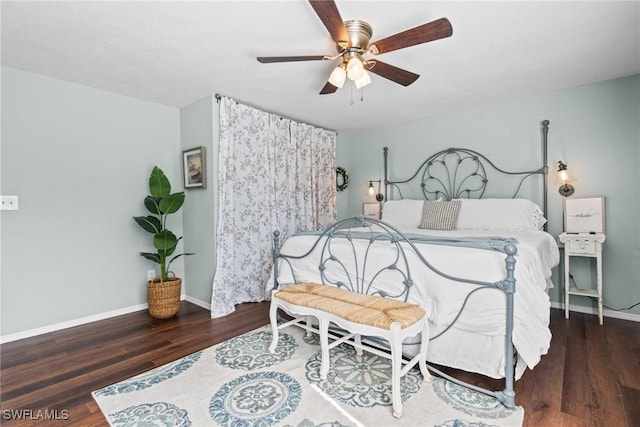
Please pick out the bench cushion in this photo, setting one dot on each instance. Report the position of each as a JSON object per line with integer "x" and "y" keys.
{"x": 355, "y": 307}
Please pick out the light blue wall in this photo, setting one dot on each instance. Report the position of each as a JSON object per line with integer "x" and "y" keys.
{"x": 594, "y": 128}
{"x": 79, "y": 160}
{"x": 342, "y": 159}
{"x": 200, "y": 209}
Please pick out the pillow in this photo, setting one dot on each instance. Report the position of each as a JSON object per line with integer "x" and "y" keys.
{"x": 500, "y": 214}
{"x": 440, "y": 215}
{"x": 402, "y": 214}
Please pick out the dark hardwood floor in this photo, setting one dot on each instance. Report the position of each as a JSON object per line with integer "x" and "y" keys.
{"x": 590, "y": 377}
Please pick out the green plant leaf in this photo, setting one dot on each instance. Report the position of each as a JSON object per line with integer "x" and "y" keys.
{"x": 168, "y": 252}
{"x": 151, "y": 256}
{"x": 165, "y": 240}
{"x": 172, "y": 203}
{"x": 159, "y": 185}
{"x": 152, "y": 204}
{"x": 149, "y": 223}
{"x": 179, "y": 255}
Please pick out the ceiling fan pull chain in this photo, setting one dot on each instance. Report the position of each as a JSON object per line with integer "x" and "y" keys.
{"x": 351, "y": 101}
{"x": 361, "y": 94}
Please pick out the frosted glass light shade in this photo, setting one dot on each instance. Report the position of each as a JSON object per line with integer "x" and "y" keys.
{"x": 363, "y": 80}
{"x": 355, "y": 69}
{"x": 338, "y": 76}
{"x": 564, "y": 176}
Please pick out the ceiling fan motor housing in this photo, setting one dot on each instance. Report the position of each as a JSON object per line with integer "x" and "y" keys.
{"x": 360, "y": 33}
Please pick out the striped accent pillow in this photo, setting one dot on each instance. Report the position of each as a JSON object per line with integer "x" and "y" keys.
{"x": 440, "y": 215}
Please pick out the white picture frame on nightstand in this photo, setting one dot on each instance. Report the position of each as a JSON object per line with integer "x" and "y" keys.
{"x": 371, "y": 210}
{"x": 584, "y": 214}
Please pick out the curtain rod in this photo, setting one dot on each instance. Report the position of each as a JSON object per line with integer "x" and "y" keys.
{"x": 219, "y": 97}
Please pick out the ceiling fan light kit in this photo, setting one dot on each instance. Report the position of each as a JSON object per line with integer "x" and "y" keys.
{"x": 352, "y": 42}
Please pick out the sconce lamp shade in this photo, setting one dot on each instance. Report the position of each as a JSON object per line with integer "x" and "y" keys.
{"x": 338, "y": 76}
{"x": 563, "y": 177}
{"x": 563, "y": 174}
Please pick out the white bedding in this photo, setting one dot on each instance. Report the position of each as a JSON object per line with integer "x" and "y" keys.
{"x": 476, "y": 341}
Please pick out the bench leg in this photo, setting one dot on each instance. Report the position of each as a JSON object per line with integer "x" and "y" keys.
{"x": 324, "y": 346}
{"x": 309, "y": 322}
{"x": 358, "y": 340}
{"x": 273, "y": 318}
{"x": 396, "y": 368}
{"x": 424, "y": 345}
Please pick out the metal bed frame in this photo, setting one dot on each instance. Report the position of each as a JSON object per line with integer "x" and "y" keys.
{"x": 447, "y": 183}
{"x": 456, "y": 173}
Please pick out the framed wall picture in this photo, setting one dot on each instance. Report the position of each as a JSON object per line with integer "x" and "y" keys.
{"x": 194, "y": 168}
{"x": 371, "y": 210}
{"x": 584, "y": 214}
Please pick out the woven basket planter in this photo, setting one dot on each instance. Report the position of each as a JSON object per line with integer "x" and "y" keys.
{"x": 164, "y": 298}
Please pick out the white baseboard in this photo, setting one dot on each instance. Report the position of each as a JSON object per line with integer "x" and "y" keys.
{"x": 71, "y": 323}
{"x": 198, "y": 302}
{"x": 83, "y": 320}
{"x": 592, "y": 310}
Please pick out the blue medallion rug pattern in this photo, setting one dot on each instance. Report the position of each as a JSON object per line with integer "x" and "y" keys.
{"x": 150, "y": 378}
{"x": 260, "y": 398}
{"x": 239, "y": 383}
{"x": 247, "y": 351}
{"x": 360, "y": 380}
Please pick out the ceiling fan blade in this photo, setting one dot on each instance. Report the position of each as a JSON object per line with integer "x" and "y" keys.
{"x": 395, "y": 74}
{"x": 328, "y": 13}
{"x": 328, "y": 88}
{"x": 270, "y": 59}
{"x": 424, "y": 33}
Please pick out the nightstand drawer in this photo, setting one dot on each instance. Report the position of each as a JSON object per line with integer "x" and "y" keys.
{"x": 582, "y": 247}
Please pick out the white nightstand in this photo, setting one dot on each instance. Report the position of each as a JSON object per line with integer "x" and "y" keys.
{"x": 584, "y": 245}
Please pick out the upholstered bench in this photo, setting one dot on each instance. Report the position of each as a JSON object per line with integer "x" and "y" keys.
{"x": 359, "y": 314}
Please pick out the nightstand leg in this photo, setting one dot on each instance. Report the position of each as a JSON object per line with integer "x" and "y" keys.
{"x": 599, "y": 281}
{"x": 566, "y": 284}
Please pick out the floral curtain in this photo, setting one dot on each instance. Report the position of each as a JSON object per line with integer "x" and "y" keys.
{"x": 274, "y": 174}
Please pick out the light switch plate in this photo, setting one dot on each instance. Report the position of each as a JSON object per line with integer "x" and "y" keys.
{"x": 9, "y": 203}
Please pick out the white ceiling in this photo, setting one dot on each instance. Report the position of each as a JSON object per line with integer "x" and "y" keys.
{"x": 175, "y": 53}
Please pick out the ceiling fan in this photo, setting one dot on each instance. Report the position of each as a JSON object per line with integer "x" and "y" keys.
{"x": 352, "y": 41}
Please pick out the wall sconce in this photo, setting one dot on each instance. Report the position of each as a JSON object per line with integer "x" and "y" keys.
{"x": 372, "y": 190}
{"x": 563, "y": 177}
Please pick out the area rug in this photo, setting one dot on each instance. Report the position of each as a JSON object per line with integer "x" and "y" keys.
{"x": 238, "y": 383}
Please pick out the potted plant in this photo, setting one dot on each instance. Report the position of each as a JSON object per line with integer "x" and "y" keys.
{"x": 163, "y": 292}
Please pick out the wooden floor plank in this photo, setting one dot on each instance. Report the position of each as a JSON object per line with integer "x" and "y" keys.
{"x": 576, "y": 395}
{"x": 631, "y": 403}
{"x": 588, "y": 378}
{"x": 624, "y": 342}
{"x": 547, "y": 382}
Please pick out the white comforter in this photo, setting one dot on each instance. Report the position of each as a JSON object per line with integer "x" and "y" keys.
{"x": 476, "y": 341}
